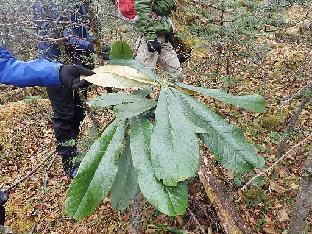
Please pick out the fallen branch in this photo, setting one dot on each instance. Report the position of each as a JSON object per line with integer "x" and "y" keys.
{"x": 294, "y": 119}
{"x": 287, "y": 99}
{"x": 202, "y": 230}
{"x": 219, "y": 196}
{"x": 46, "y": 178}
{"x": 21, "y": 180}
{"x": 303, "y": 203}
{"x": 289, "y": 152}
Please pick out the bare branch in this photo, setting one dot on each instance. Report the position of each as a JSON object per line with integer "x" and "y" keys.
{"x": 202, "y": 230}
{"x": 289, "y": 152}
{"x": 30, "y": 173}
{"x": 46, "y": 178}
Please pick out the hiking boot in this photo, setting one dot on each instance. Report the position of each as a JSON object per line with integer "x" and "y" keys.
{"x": 72, "y": 172}
{"x": 150, "y": 116}
{"x": 70, "y": 167}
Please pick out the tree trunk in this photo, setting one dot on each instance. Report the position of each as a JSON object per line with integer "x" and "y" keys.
{"x": 219, "y": 196}
{"x": 304, "y": 199}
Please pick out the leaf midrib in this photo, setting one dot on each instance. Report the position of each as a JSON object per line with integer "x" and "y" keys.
{"x": 171, "y": 131}
{"x": 215, "y": 129}
{"x": 150, "y": 163}
{"x": 127, "y": 177}
{"x": 83, "y": 198}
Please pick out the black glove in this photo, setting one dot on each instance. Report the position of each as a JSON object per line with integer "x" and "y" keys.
{"x": 70, "y": 76}
{"x": 154, "y": 46}
{"x": 169, "y": 37}
{"x": 106, "y": 51}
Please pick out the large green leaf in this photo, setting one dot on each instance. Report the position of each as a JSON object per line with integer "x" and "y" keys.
{"x": 121, "y": 54}
{"x": 121, "y": 50}
{"x": 253, "y": 102}
{"x": 119, "y": 76}
{"x": 96, "y": 173}
{"x": 169, "y": 200}
{"x": 128, "y": 110}
{"x": 126, "y": 182}
{"x": 137, "y": 65}
{"x": 224, "y": 140}
{"x": 174, "y": 147}
{"x": 126, "y": 71}
{"x": 112, "y": 99}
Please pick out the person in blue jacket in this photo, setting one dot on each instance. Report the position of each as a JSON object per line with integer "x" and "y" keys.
{"x": 70, "y": 28}
{"x": 40, "y": 72}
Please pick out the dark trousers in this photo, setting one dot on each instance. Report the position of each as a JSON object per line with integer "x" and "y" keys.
{"x": 68, "y": 112}
{"x": 2, "y": 215}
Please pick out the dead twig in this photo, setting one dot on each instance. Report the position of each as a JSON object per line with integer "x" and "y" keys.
{"x": 287, "y": 99}
{"x": 21, "y": 180}
{"x": 46, "y": 178}
{"x": 33, "y": 229}
{"x": 202, "y": 230}
{"x": 293, "y": 120}
{"x": 289, "y": 152}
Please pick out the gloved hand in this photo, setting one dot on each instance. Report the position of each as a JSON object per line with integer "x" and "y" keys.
{"x": 169, "y": 37}
{"x": 70, "y": 76}
{"x": 106, "y": 51}
{"x": 153, "y": 46}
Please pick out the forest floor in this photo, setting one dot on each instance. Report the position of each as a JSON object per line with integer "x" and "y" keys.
{"x": 36, "y": 206}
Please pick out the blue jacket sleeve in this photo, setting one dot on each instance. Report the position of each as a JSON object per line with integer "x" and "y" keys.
{"x": 38, "y": 72}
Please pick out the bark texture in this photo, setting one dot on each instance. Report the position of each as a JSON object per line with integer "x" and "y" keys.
{"x": 219, "y": 196}
{"x": 304, "y": 199}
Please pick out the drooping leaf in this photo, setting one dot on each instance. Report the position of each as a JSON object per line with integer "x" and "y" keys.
{"x": 224, "y": 140}
{"x": 121, "y": 50}
{"x": 137, "y": 65}
{"x": 174, "y": 147}
{"x": 171, "y": 201}
{"x": 253, "y": 102}
{"x": 128, "y": 110}
{"x": 118, "y": 76}
{"x": 126, "y": 182}
{"x": 96, "y": 173}
{"x": 112, "y": 99}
